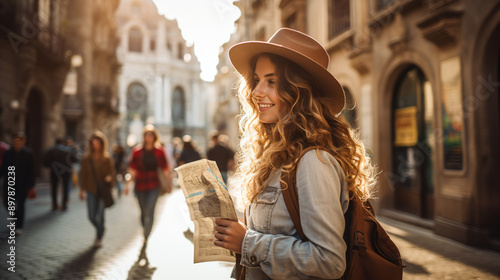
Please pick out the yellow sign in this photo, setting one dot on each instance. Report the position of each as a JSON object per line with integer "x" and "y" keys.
{"x": 405, "y": 127}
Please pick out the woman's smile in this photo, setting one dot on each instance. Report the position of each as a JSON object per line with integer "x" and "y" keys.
{"x": 264, "y": 106}
{"x": 265, "y": 92}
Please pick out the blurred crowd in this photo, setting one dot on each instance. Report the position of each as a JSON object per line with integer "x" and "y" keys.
{"x": 104, "y": 174}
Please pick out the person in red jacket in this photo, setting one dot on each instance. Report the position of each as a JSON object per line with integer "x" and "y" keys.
{"x": 147, "y": 163}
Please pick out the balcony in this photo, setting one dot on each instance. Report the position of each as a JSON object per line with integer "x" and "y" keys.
{"x": 101, "y": 95}
{"x": 441, "y": 27}
{"x": 72, "y": 107}
{"x": 23, "y": 26}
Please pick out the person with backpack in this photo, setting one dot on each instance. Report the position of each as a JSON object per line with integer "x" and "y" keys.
{"x": 291, "y": 102}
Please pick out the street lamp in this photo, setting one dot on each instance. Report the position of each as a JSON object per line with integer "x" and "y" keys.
{"x": 76, "y": 61}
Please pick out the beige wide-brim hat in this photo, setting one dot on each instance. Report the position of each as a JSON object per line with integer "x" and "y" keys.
{"x": 299, "y": 48}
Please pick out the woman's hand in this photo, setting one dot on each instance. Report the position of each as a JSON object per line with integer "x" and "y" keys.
{"x": 230, "y": 234}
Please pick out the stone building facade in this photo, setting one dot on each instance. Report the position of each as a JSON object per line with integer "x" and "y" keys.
{"x": 422, "y": 82}
{"x": 160, "y": 78}
{"x": 39, "y": 39}
{"x": 92, "y": 39}
{"x": 224, "y": 105}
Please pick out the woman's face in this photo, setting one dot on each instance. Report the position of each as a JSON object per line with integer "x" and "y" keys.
{"x": 149, "y": 138}
{"x": 265, "y": 93}
{"x": 96, "y": 145}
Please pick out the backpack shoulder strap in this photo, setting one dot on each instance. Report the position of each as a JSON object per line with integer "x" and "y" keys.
{"x": 291, "y": 198}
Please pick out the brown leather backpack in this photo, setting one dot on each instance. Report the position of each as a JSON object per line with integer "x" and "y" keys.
{"x": 370, "y": 254}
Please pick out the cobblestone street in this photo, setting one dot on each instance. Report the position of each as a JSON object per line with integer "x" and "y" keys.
{"x": 58, "y": 245}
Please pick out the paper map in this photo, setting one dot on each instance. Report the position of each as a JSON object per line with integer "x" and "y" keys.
{"x": 207, "y": 198}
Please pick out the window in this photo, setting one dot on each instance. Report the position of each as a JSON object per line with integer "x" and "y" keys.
{"x": 152, "y": 45}
{"x": 137, "y": 97}
{"x": 291, "y": 21}
{"x": 178, "y": 107}
{"x": 261, "y": 35}
{"x": 339, "y": 19}
{"x": 180, "y": 51}
{"x": 135, "y": 40}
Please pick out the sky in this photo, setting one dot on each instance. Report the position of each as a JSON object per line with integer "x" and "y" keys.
{"x": 206, "y": 23}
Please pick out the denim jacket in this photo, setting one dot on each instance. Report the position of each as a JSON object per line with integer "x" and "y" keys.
{"x": 272, "y": 248}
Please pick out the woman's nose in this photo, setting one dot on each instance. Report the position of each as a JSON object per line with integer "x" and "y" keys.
{"x": 257, "y": 91}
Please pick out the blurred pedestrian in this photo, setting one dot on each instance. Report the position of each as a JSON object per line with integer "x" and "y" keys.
{"x": 189, "y": 152}
{"x": 171, "y": 162}
{"x": 147, "y": 164}
{"x": 18, "y": 172}
{"x": 176, "y": 149}
{"x": 118, "y": 156}
{"x": 73, "y": 155}
{"x": 97, "y": 170}
{"x": 58, "y": 160}
{"x": 221, "y": 154}
{"x": 3, "y": 148}
{"x": 291, "y": 103}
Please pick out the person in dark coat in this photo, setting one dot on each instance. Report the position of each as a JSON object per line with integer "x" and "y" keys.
{"x": 189, "y": 152}
{"x": 59, "y": 160}
{"x": 18, "y": 172}
{"x": 3, "y": 148}
{"x": 222, "y": 155}
{"x": 118, "y": 157}
{"x": 73, "y": 157}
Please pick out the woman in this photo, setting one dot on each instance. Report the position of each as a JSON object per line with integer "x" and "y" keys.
{"x": 147, "y": 160}
{"x": 291, "y": 102}
{"x": 97, "y": 166}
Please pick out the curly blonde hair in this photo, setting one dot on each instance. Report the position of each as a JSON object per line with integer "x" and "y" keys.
{"x": 309, "y": 121}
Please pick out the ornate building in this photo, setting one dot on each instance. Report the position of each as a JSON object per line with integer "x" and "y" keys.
{"x": 160, "y": 77}
{"x": 422, "y": 80}
{"x": 41, "y": 91}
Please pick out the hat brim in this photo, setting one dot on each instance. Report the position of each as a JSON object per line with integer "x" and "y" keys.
{"x": 241, "y": 54}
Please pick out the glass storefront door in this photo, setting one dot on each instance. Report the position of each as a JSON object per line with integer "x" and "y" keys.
{"x": 413, "y": 145}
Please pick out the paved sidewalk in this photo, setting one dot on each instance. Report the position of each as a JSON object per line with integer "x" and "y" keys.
{"x": 428, "y": 256}
{"x": 58, "y": 245}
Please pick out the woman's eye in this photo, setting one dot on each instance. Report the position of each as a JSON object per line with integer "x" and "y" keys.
{"x": 271, "y": 82}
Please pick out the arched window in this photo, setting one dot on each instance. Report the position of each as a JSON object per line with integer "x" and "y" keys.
{"x": 137, "y": 97}
{"x": 135, "y": 40}
{"x": 178, "y": 107}
{"x": 180, "y": 50}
